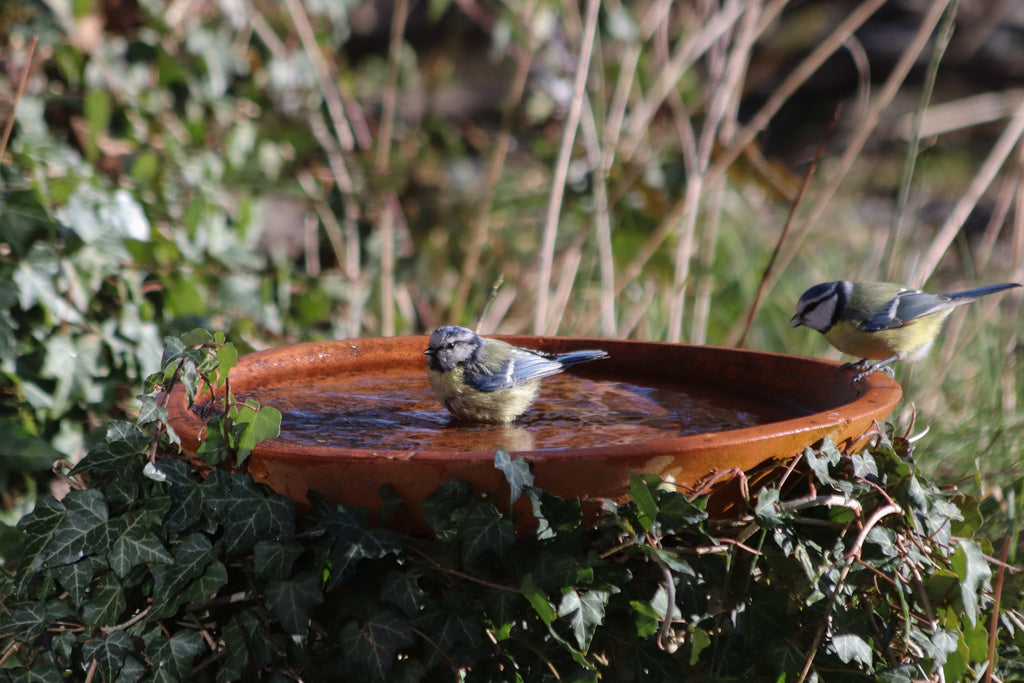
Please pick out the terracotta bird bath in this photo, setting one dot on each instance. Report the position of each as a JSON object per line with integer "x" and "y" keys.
{"x": 359, "y": 414}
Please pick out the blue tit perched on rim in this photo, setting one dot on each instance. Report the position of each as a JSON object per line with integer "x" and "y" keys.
{"x": 488, "y": 380}
{"x": 878, "y": 320}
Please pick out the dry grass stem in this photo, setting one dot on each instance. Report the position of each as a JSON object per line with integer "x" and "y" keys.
{"x": 979, "y": 183}
{"x": 479, "y": 230}
{"x": 712, "y": 28}
{"x": 810, "y": 64}
{"x": 547, "y": 250}
{"x": 389, "y": 205}
{"x": 966, "y": 112}
{"x": 890, "y": 256}
{"x": 323, "y": 72}
{"x": 602, "y": 215}
{"x": 855, "y": 144}
{"x": 26, "y": 69}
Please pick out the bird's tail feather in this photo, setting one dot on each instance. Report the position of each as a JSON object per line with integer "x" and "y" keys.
{"x": 971, "y": 294}
{"x": 574, "y": 357}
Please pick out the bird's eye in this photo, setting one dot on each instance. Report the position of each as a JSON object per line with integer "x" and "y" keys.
{"x": 450, "y": 345}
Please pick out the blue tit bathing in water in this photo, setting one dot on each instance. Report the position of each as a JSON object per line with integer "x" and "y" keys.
{"x": 880, "y": 321}
{"x": 487, "y": 380}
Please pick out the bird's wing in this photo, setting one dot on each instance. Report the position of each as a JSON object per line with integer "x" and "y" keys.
{"x": 518, "y": 367}
{"x": 906, "y": 306}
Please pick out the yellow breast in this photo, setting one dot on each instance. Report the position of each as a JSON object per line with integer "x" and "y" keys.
{"x": 909, "y": 342}
{"x": 467, "y": 403}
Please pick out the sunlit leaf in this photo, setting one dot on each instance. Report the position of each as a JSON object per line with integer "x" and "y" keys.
{"x": 585, "y": 612}
{"x": 544, "y": 609}
{"x": 974, "y": 573}
{"x": 517, "y": 473}
{"x": 260, "y": 424}
{"x": 647, "y": 509}
{"x": 850, "y": 647}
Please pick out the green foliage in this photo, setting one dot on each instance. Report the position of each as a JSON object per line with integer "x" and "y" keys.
{"x": 855, "y": 567}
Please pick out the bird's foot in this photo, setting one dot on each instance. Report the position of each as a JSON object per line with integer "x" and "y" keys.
{"x": 871, "y": 369}
{"x": 864, "y": 367}
{"x": 859, "y": 366}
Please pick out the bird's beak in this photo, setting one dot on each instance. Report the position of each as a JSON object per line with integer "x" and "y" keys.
{"x": 795, "y": 321}
{"x": 430, "y": 352}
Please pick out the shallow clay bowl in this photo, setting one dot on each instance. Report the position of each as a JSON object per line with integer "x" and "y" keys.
{"x": 359, "y": 414}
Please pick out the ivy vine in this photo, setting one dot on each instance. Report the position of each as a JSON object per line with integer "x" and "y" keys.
{"x": 847, "y": 566}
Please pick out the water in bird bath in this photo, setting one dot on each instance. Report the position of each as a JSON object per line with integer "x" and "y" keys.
{"x": 396, "y": 411}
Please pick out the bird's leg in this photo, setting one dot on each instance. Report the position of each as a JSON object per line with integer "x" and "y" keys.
{"x": 882, "y": 365}
{"x": 857, "y": 365}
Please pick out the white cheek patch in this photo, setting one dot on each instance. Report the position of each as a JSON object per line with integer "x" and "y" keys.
{"x": 820, "y": 317}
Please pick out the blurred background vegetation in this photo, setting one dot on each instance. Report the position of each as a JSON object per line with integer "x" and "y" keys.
{"x": 316, "y": 169}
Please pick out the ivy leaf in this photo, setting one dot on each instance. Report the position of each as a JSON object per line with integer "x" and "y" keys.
{"x": 173, "y": 656}
{"x": 647, "y": 509}
{"x": 354, "y": 542}
{"x": 700, "y": 642}
{"x": 292, "y": 600}
{"x": 191, "y": 558}
{"x": 150, "y": 410}
{"x": 120, "y": 452}
{"x": 261, "y": 423}
{"x": 864, "y": 467}
{"x": 83, "y": 527}
{"x": 206, "y": 586}
{"x": 766, "y": 512}
{"x": 26, "y": 621}
{"x": 822, "y": 460}
{"x": 76, "y": 577}
{"x": 676, "y": 512}
{"x": 944, "y": 643}
{"x": 136, "y": 545}
{"x": 885, "y": 539}
{"x": 584, "y": 611}
{"x": 971, "y": 567}
{"x": 376, "y": 642}
{"x": 272, "y": 517}
{"x": 227, "y": 358}
{"x": 106, "y": 603}
{"x": 485, "y": 529}
{"x": 274, "y": 560}
{"x": 402, "y": 590}
{"x": 215, "y": 449}
{"x": 186, "y": 501}
{"x": 197, "y": 336}
{"x": 39, "y": 527}
{"x": 850, "y": 647}
{"x": 538, "y": 600}
{"x": 452, "y": 627}
{"x": 554, "y": 514}
{"x": 110, "y": 652}
{"x": 442, "y": 509}
{"x": 517, "y": 473}
{"x": 247, "y": 643}
{"x": 246, "y": 513}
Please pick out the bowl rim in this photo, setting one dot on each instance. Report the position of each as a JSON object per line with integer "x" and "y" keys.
{"x": 875, "y": 397}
